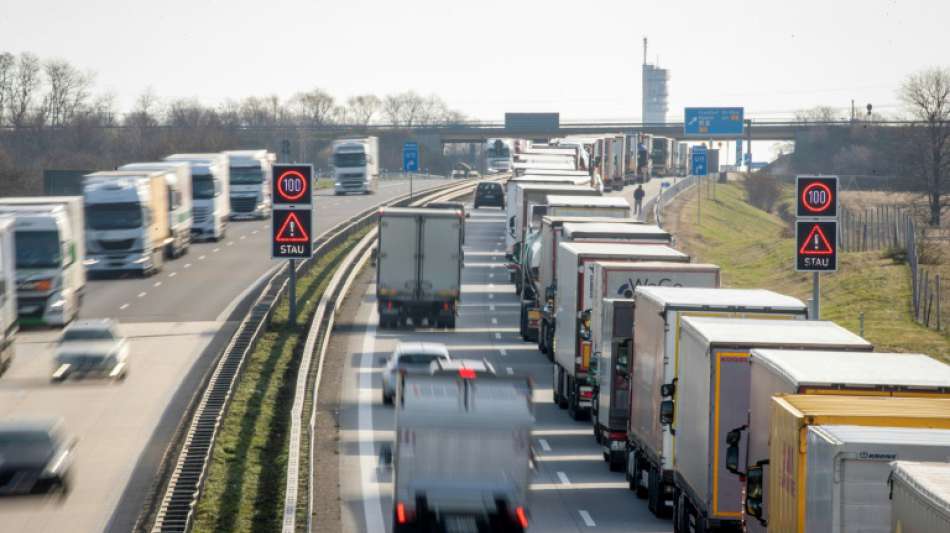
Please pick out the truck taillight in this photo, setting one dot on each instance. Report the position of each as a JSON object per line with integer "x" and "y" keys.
{"x": 521, "y": 516}
{"x": 389, "y": 305}
{"x": 400, "y": 513}
{"x": 467, "y": 373}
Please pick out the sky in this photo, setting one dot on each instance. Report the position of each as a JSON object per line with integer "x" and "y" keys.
{"x": 484, "y": 58}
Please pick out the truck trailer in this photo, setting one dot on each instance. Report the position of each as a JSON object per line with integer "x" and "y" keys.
{"x": 8, "y": 301}
{"x": 356, "y": 165}
{"x": 920, "y": 494}
{"x": 210, "y": 193}
{"x": 712, "y": 399}
{"x": 572, "y": 352}
{"x": 419, "y": 266}
{"x": 178, "y": 180}
{"x": 778, "y": 372}
{"x": 127, "y": 220}
{"x": 250, "y": 174}
{"x": 49, "y": 233}
{"x": 525, "y": 196}
{"x": 462, "y": 453}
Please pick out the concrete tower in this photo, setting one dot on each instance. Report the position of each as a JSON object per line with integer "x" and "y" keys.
{"x": 655, "y": 93}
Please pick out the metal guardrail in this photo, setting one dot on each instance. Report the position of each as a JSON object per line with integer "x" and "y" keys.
{"x": 176, "y": 511}
{"x": 656, "y": 203}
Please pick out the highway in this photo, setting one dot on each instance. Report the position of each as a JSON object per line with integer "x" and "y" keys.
{"x": 572, "y": 489}
{"x": 176, "y": 321}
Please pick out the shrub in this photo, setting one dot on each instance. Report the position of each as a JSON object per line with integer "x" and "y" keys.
{"x": 762, "y": 191}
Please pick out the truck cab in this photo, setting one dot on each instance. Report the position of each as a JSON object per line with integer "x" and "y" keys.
{"x": 8, "y": 301}
{"x": 251, "y": 173}
{"x": 356, "y": 165}
{"x": 178, "y": 180}
{"x": 210, "y": 186}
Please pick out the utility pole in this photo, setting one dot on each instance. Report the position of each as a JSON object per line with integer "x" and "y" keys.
{"x": 748, "y": 146}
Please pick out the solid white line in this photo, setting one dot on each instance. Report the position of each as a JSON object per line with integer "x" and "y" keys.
{"x": 544, "y": 445}
{"x": 585, "y": 516}
{"x": 157, "y": 284}
{"x": 142, "y": 294}
{"x": 123, "y": 307}
{"x": 172, "y": 274}
{"x": 509, "y": 370}
{"x": 372, "y": 504}
{"x": 563, "y": 478}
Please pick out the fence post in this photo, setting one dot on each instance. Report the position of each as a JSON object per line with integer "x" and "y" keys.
{"x": 861, "y": 322}
{"x": 937, "y": 282}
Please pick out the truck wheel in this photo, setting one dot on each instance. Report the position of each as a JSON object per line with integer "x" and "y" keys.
{"x": 638, "y": 468}
{"x": 653, "y": 491}
{"x": 615, "y": 463}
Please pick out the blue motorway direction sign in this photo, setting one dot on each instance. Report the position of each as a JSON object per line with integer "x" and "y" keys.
{"x": 410, "y": 157}
{"x": 709, "y": 122}
{"x": 697, "y": 160}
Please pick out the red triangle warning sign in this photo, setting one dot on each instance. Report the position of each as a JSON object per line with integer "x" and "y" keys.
{"x": 291, "y": 230}
{"x": 816, "y": 243}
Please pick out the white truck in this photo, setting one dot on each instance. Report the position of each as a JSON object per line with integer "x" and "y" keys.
{"x": 498, "y": 156}
{"x": 462, "y": 457}
{"x": 617, "y": 282}
{"x": 356, "y": 165}
{"x": 178, "y": 180}
{"x": 712, "y": 399}
{"x": 210, "y": 193}
{"x": 8, "y": 301}
{"x": 572, "y": 351}
{"x": 778, "y": 372}
{"x": 127, "y": 221}
{"x": 418, "y": 266}
{"x": 49, "y": 234}
{"x": 251, "y": 173}
{"x": 655, "y": 370}
{"x": 525, "y": 196}
{"x": 920, "y": 497}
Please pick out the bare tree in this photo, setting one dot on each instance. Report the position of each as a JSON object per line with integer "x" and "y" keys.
{"x": 7, "y": 72}
{"x": 67, "y": 92}
{"x": 313, "y": 108}
{"x": 393, "y": 108}
{"x": 926, "y": 96}
{"x": 817, "y": 114}
{"x": 363, "y": 108}
{"x": 26, "y": 83}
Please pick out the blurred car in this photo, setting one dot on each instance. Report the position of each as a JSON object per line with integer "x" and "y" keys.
{"x": 410, "y": 358}
{"x": 35, "y": 457}
{"x": 467, "y": 368}
{"x": 489, "y": 194}
{"x": 91, "y": 348}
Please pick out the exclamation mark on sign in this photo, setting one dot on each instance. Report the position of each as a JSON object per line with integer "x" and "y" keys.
{"x": 816, "y": 239}
{"x": 294, "y": 233}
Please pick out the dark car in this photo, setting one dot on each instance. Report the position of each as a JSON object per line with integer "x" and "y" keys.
{"x": 35, "y": 457}
{"x": 489, "y": 194}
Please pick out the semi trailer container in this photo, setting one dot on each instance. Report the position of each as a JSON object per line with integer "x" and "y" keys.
{"x": 250, "y": 173}
{"x": 8, "y": 298}
{"x": 526, "y": 195}
{"x": 210, "y": 193}
{"x": 920, "y": 495}
{"x": 178, "y": 180}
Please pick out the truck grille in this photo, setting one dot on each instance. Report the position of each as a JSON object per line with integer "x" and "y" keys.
{"x": 351, "y": 181}
{"x": 200, "y": 214}
{"x": 38, "y": 304}
{"x": 245, "y": 204}
{"x": 123, "y": 244}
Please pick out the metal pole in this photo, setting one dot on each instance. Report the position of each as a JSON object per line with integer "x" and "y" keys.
{"x": 816, "y": 296}
{"x": 410, "y": 187}
{"x": 291, "y": 264}
{"x": 699, "y": 200}
{"x": 748, "y": 146}
{"x": 861, "y": 321}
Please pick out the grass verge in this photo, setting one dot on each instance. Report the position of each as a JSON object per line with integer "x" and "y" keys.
{"x": 753, "y": 250}
{"x": 246, "y": 478}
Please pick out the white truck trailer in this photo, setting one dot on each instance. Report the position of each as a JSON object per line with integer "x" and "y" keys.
{"x": 419, "y": 266}
{"x": 210, "y": 193}
{"x": 127, "y": 220}
{"x": 618, "y": 281}
{"x": 920, "y": 497}
{"x": 250, "y": 173}
{"x": 8, "y": 301}
{"x": 49, "y": 234}
{"x": 527, "y": 195}
{"x": 655, "y": 369}
{"x": 572, "y": 352}
{"x": 778, "y": 372}
{"x": 178, "y": 180}
{"x": 712, "y": 399}
{"x": 462, "y": 453}
{"x": 356, "y": 165}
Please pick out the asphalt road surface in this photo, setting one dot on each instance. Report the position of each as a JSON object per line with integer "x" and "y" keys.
{"x": 572, "y": 489}
{"x": 175, "y": 320}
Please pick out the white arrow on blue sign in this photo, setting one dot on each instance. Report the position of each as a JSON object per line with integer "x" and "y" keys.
{"x": 410, "y": 157}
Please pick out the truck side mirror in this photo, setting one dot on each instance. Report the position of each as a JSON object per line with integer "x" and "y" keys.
{"x": 732, "y": 452}
{"x": 753, "y": 499}
{"x": 666, "y": 412}
{"x": 668, "y": 390}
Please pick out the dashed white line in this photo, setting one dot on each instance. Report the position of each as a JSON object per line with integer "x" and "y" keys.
{"x": 563, "y": 478}
{"x": 187, "y": 265}
{"x": 504, "y": 352}
{"x": 123, "y": 307}
{"x": 202, "y": 258}
{"x": 230, "y": 243}
{"x": 142, "y": 294}
{"x": 544, "y": 445}
{"x": 254, "y": 232}
{"x": 491, "y": 296}
{"x": 172, "y": 274}
{"x": 157, "y": 284}
{"x": 494, "y": 321}
{"x": 216, "y": 250}
{"x": 491, "y": 275}
{"x": 244, "y": 237}
{"x": 498, "y": 336}
{"x": 585, "y": 516}
{"x": 491, "y": 307}
{"x": 509, "y": 370}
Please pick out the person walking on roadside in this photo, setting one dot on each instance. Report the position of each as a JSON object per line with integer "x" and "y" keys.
{"x": 638, "y": 195}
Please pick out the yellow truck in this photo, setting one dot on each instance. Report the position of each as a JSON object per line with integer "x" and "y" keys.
{"x": 790, "y": 462}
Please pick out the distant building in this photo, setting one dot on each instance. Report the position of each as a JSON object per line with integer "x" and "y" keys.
{"x": 655, "y": 92}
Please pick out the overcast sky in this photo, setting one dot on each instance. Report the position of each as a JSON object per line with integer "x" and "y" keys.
{"x": 485, "y": 57}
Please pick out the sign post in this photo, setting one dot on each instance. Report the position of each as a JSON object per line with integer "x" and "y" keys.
{"x": 816, "y": 230}
{"x": 410, "y": 162}
{"x": 699, "y": 167}
{"x": 292, "y": 221}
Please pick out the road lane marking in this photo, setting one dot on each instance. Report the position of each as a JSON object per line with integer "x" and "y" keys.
{"x": 230, "y": 243}
{"x": 494, "y": 321}
{"x": 157, "y": 284}
{"x": 491, "y": 307}
{"x": 491, "y": 275}
{"x": 187, "y": 265}
{"x": 202, "y": 258}
{"x": 216, "y": 250}
{"x": 172, "y": 274}
{"x": 491, "y": 296}
{"x": 123, "y": 307}
{"x": 504, "y": 352}
{"x": 562, "y": 477}
{"x": 509, "y": 370}
{"x": 142, "y": 294}
{"x": 372, "y": 503}
{"x": 544, "y": 445}
{"x": 243, "y": 237}
{"x": 254, "y": 232}
{"x": 585, "y": 516}
{"x": 498, "y": 336}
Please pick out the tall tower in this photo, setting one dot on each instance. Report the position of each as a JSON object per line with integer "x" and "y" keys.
{"x": 655, "y": 93}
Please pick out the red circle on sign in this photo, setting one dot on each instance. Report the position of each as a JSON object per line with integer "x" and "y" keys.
{"x": 286, "y": 195}
{"x": 821, "y": 207}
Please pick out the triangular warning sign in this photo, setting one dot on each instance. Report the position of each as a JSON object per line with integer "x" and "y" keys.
{"x": 816, "y": 243}
{"x": 292, "y": 230}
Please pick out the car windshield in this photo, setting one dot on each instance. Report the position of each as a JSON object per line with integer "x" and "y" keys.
{"x": 87, "y": 334}
{"x": 202, "y": 187}
{"x": 246, "y": 175}
{"x": 37, "y": 249}
{"x": 349, "y": 160}
{"x": 120, "y": 215}
{"x": 417, "y": 358}
{"x": 24, "y": 446}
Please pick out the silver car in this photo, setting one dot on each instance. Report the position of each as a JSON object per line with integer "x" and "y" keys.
{"x": 91, "y": 348}
{"x": 410, "y": 358}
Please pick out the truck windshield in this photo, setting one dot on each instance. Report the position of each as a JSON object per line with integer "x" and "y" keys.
{"x": 349, "y": 160}
{"x": 37, "y": 249}
{"x": 202, "y": 187}
{"x": 246, "y": 175}
{"x": 121, "y": 215}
